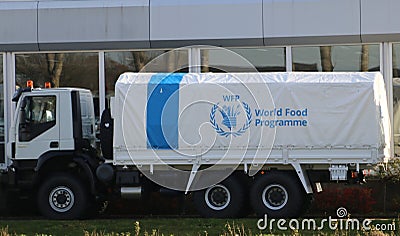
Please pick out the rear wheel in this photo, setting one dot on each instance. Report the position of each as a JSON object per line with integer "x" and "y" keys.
{"x": 277, "y": 194}
{"x": 62, "y": 196}
{"x": 222, "y": 200}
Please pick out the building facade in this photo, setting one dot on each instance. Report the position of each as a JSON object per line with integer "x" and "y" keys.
{"x": 88, "y": 43}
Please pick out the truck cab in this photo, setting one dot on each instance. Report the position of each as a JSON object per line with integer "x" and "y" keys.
{"x": 49, "y": 120}
{"x": 52, "y": 148}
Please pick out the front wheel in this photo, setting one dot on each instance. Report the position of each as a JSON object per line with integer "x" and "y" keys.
{"x": 62, "y": 196}
{"x": 277, "y": 194}
{"x": 222, "y": 200}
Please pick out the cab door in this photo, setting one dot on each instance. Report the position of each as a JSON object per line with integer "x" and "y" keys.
{"x": 38, "y": 127}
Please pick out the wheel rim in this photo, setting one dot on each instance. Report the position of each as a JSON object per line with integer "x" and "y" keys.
{"x": 61, "y": 199}
{"x": 275, "y": 196}
{"x": 217, "y": 197}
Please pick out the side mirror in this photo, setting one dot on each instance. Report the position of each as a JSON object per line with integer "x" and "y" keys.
{"x": 22, "y": 114}
{"x": 19, "y": 92}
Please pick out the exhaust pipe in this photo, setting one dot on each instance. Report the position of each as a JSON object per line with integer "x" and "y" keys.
{"x": 131, "y": 192}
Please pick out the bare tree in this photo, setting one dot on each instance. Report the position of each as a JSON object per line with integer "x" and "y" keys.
{"x": 182, "y": 61}
{"x": 364, "y": 62}
{"x": 205, "y": 63}
{"x": 171, "y": 62}
{"x": 139, "y": 60}
{"x": 326, "y": 58}
{"x": 55, "y": 62}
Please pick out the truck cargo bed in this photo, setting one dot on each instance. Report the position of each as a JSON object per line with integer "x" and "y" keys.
{"x": 250, "y": 118}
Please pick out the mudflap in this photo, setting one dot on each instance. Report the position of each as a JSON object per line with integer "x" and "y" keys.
{"x": 9, "y": 194}
{"x": 3, "y": 192}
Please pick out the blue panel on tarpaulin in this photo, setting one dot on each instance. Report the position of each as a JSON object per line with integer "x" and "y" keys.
{"x": 163, "y": 111}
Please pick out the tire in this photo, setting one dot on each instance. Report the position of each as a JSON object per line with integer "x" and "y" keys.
{"x": 62, "y": 196}
{"x": 277, "y": 194}
{"x": 223, "y": 200}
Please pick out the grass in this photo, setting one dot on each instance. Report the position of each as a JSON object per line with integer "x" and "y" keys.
{"x": 175, "y": 226}
{"x": 160, "y": 226}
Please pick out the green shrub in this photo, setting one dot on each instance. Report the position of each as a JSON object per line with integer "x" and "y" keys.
{"x": 388, "y": 171}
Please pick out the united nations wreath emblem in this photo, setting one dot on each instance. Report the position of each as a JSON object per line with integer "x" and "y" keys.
{"x": 230, "y": 114}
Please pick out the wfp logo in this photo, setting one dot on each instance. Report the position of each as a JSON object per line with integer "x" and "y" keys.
{"x": 230, "y": 113}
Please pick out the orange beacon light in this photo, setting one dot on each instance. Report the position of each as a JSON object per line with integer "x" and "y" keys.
{"x": 29, "y": 84}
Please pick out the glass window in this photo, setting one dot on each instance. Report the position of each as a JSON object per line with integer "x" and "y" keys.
{"x": 40, "y": 110}
{"x": 351, "y": 58}
{"x": 396, "y": 97}
{"x": 38, "y": 116}
{"x": 2, "y": 153}
{"x": 243, "y": 60}
{"x": 396, "y": 60}
{"x": 61, "y": 70}
{"x": 117, "y": 63}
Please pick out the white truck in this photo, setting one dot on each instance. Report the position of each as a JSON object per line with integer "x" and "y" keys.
{"x": 235, "y": 141}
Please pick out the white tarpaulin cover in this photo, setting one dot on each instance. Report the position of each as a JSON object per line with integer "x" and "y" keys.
{"x": 249, "y": 111}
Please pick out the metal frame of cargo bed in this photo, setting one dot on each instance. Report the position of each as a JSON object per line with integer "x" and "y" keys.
{"x": 345, "y": 155}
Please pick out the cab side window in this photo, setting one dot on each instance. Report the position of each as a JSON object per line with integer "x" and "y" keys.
{"x": 37, "y": 116}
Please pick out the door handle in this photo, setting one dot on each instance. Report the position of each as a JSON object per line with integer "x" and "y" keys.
{"x": 54, "y": 145}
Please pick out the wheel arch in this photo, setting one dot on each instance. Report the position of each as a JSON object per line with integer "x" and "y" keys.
{"x": 297, "y": 171}
{"x": 65, "y": 161}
